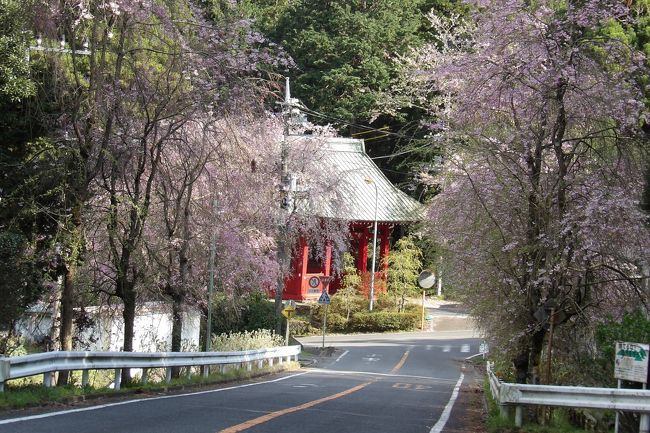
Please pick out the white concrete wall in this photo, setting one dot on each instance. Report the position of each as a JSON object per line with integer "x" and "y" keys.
{"x": 153, "y": 326}
{"x": 34, "y": 326}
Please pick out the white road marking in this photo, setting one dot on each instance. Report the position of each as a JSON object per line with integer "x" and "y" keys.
{"x": 341, "y": 356}
{"x": 121, "y": 403}
{"x": 444, "y": 417}
{"x": 473, "y": 356}
{"x": 372, "y": 358}
{"x": 429, "y": 347}
{"x": 464, "y": 348}
{"x": 367, "y": 373}
{"x": 305, "y": 385}
{"x": 446, "y": 348}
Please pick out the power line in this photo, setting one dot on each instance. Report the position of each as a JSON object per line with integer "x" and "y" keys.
{"x": 348, "y": 123}
{"x": 366, "y": 128}
{"x": 404, "y": 152}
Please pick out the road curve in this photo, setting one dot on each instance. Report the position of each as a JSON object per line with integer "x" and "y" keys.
{"x": 384, "y": 383}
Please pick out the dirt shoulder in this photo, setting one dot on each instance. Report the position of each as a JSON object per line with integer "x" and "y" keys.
{"x": 470, "y": 410}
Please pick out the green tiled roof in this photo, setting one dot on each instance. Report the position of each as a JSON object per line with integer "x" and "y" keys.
{"x": 348, "y": 163}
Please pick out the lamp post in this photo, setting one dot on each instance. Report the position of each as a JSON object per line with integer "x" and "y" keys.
{"x": 374, "y": 247}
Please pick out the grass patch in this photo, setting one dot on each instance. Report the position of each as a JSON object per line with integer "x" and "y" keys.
{"x": 29, "y": 395}
{"x": 37, "y": 395}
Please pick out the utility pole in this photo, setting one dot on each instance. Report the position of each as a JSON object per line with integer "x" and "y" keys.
{"x": 213, "y": 253}
{"x": 64, "y": 304}
{"x": 284, "y": 206}
{"x": 374, "y": 256}
{"x": 374, "y": 247}
{"x": 439, "y": 292}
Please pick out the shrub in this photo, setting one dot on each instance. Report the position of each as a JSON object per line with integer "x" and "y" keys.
{"x": 12, "y": 346}
{"x": 336, "y": 322}
{"x": 341, "y": 304}
{"x": 414, "y": 309}
{"x": 246, "y": 340}
{"x": 382, "y": 321}
{"x": 248, "y": 312}
{"x": 259, "y": 312}
{"x": 316, "y": 315}
{"x": 386, "y": 302}
{"x": 300, "y": 327}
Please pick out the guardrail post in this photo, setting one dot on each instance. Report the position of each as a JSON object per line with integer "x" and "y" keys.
{"x": 206, "y": 371}
{"x": 644, "y": 423}
{"x": 249, "y": 366}
{"x": 222, "y": 368}
{"x": 4, "y": 373}
{"x": 47, "y": 379}
{"x": 519, "y": 416}
{"x": 118, "y": 378}
{"x": 504, "y": 411}
{"x": 144, "y": 379}
{"x": 85, "y": 378}
{"x": 260, "y": 364}
{"x": 270, "y": 362}
{"x": 168, "y": 375}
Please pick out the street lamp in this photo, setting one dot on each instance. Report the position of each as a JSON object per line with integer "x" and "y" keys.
{"x": 374, "y": 246}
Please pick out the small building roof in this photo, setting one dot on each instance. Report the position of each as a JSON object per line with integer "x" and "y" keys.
{"x": 348, "y": 162}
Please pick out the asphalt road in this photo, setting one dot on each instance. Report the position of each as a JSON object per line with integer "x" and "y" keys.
{"x": 378, "y": 383}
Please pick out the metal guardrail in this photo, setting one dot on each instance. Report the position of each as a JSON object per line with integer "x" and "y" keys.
{"x": 50, "y": 362}
{"x": 517, "y": 395}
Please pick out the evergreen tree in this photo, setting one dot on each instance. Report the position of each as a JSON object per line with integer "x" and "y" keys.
{"x": 349, "y": 290}
{"x": 404, "y": 264}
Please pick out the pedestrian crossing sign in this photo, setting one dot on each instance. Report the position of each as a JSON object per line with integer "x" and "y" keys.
{"x": 324, "y": 298}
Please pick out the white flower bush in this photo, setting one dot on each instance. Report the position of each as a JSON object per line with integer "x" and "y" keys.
{"x": 247, "y": 340}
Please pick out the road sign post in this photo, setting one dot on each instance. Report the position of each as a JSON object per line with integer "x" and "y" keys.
{"x": 325, "y": 300}
{"x": 288, "y": 313}
{"x": 426, "y": 279}
{"x": 422, "y": 315}
{"x": 286, "y": 334}
{"x": 631, "y": 363}
{"x": 327, "y": 306}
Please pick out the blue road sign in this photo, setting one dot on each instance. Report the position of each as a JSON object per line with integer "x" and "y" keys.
{"x": 324, "y": 298}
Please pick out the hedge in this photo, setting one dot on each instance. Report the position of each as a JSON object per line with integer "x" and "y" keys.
{"x": 300, "y": 326}
{"x": 382, "y": 321}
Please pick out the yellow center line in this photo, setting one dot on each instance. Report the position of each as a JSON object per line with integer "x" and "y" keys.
{"x": 272, "y": 415}
{"x": 268, "y": 417}
{"x": 401, "y": 362}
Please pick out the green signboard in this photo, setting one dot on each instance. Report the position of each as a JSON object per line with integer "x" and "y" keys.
{"x": 631, "y": 362}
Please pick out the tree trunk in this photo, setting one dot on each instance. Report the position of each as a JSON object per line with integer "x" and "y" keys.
{"x": 536, "y": 347}
{"x": 67, "y": 315}
{"x": 128, "y": 314}
{"x": 521, "y": 366}
{"x": 76, "y": 244}
{"x": 177, "y": 330}
{"x": 56, "y": 316}
{"x": 183, "y": 271}
{"x": 527, "y": 361}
